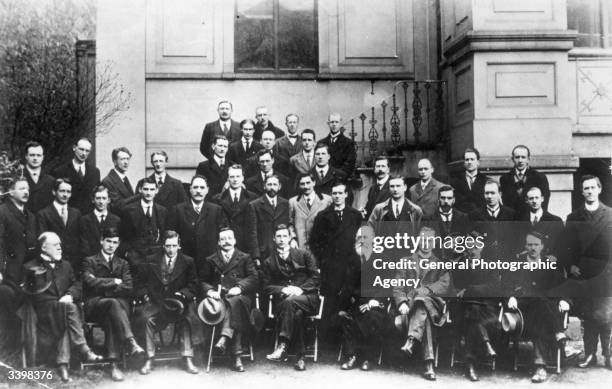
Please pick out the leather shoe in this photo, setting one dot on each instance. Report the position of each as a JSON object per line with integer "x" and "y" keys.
{"x": 89, "y": 356}
{"x": 490, "y": 351}
{"x": 608, "y": 363}
{"x": 365, "y": 366}
{"x": 539, "y": 376}
{"x": 147, "y": 367}
{"x": 569, "y": 351}
{"x": 300, "y": 364}
{"x": 189, "y": 367}
{"x": 408, "y": 346}
{"x": 471, "y": 373}
{"x": 63, "y": 373}
{"x": 237, "y": 366}
{"x": 350, "y": 363}
{"x": 133, "y": 348}
{"x": 590, "y": 360}
{"x": 279, "y": 354}
{"x": 221, "y": 345}
{"x": 429, "y": 373}
{"x": 116, "y": 374}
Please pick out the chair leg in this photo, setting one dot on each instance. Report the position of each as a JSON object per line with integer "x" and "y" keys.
{"x": 558, "y": 360}
{"x": 452, "y": 356}
{"x": 210, "y": 350}
{"x": 493, "y": 364}
{"x": 515, "y": 347}
{"x": 436, "y": 353}
{"x": 380, "y": 356}
{"x": 24, "y": 359}
{"x": 340, "y": 353}
{"x": 251, "y": 351}
{"x": 316, "y": 343}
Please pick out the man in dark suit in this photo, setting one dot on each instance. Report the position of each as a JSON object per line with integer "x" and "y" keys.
{"x": 197, "y": 221}
{"x": 118, "y": 184}
{"x": 94, "y": 222}
{"x": 17, "y": 246}
{"x": 341, "y": 148}
{"x": 325, "y": 174}
{"x": 379, "y": 191}
{"x": 107, "y": 292}
{"x": 168, "y": 277}
{"x": 41, "y": 183}
{"x": 233, "y": 271}
{"x": 246, "y": 147}
{"x": 303, "y": 161}
{"x": 292, "y": 278}
{"x": 289, "y": 145}
{"x": 235, "y": 204}
{"x": 65, "y": 221}
{"x": 264, "y": 124}
{"x": 83, "y": 176}
{"x": 536, "y": 218}
{"x": 170, "y": 191}
{"x": 280, "y": 164}
{"x": 225, "y": 126}
{"x": 215, "y": 168}
{"x": 522, "y": 177}
{"x": 425, "y": 192}
{"x": 469, "y": 184}
{"x": 265, "y": 213}
{"x": 142, "y": 225}
{"x": 266, "y": 163}
{"x": 54, "y": 292}
{"x": 331, "y": 239}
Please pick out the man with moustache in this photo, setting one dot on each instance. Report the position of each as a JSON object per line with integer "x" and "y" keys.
{"x": 65, "y": 221}
{"x": 17, "y": 246}
{"x": 246, "y": 147}
{"x": 469, "y": 183}
{"x": 55, "y": 303}
{"x": 225, "y": 126}
{"x": 118, "y": 184}
{"x": 341, "y": 148}
{"x": 290, "y": 144}
{"x": 448, "y": 221}
{"x": 235, "y": 204}
{"x": 425, "y": 192}
{"x": 303, "y": 161}
{"x": 521, "y": 177}
{"x": 304, "y": 208}
{"x": 82, "y": 175}
{"x": 264, "y": 124}
{"x": 107, "y": 292}
{"x": 234, "y": 271}
{"x": 170, "y": 191}
{"x": 93, "y": 223}
{"x": 40, "y": 183}
{"x": 215, "y": 168}
{"x": 379, "y": 191}
{"x": 197, "y": 221}
{"x": 265, "y": 213}
{"x": 267, "y": 167}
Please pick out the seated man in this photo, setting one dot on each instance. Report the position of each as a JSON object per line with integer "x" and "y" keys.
{"x": 292, "y": 278}
{"x": 422, "y": 306}
{"x": 56, "y": 307}
{"x": 530, "y": 291}
{"x": 235, "y": 272}
{"x": 108, "y": 298}
{"x": 169, "y": 275}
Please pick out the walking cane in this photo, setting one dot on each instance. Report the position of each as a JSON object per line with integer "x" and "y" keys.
{"x": 212, "y": 340}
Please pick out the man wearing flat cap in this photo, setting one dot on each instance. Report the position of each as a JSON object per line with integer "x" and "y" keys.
{"x": 235, "y": 272}
{"x": 167, "y": 287}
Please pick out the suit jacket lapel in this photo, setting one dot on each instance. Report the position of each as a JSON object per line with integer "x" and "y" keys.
{"x": 179, "y": 267}
{"x": 20, "y": 216}
{"x": 100, "y": 259}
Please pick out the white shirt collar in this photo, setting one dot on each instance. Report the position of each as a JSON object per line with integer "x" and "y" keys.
{"x": 34, "y": 173}
{"x": 424, "y": 183}
{"x": 472, "y": 175}
{"x": 591, "y": 207}
{"x": 495, "y": 210}
{"x": 172, "y": 260}
{"x": 538, "y": 213}
{"x": 227, "y": 122}
{"x": 76, "y": 165}
{"x": 219, "y": 160}
{"x": 59, "y": 207}
{"x": 145, "y": 206}
{"x": 98, "y": 213}
{"x": 227, "y": 255}
{"x": 382, "y": 182}
{"x": 324, "y": 168}
{"x": 121, "y": 175}
{"x": 234, "y": 192}
{"x": 158, "y": 176}
{"x": 270, "y": 200}
{"x": 395, "y": 203}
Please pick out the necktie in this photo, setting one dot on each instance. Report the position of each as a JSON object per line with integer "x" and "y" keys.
{"x": 397, "y": 211}
{"x": 225, "y": 129}
{"x": 273, "y": 203}
{"x": 308, "y": 161}
{"x": 235, "y": 198}
{"x": 222, "y": 164}
{"x": 160, "y": 182}
{"x": 169, "y": 264}
{"x": 148, "y": 213}
{"x": 197, "y": 209}
{"x": 470, "y": 180}
{"x": 248, "y": 146}
{"x": 339, "y": 213}
{"x": 535, "y": 220}
{"x": 321, "y": 173}
{"x": 126, "y": 181}
{"x": 308, "y": 203}
{"x": 101, "y": 218}
{"x": 81, "y": 175}
{"x": 64, "y": 215}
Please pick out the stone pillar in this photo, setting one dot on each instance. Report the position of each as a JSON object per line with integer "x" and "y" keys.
{"x": 509, "y": 83}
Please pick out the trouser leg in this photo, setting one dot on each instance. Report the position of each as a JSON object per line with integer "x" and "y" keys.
{"x": 604, "y": 337}
{"x": 186, "y": 345}
{"x": 349, "y": 334}
{"x": 226, "y": 329}
{"x": 236, "y": 344}
{"x": 427, "y": 346}
{"x": 63, "y": 349}
{"x": 416, "y": 322}
{"x": 590, "y": 337}
{"x": 74, "y": 325}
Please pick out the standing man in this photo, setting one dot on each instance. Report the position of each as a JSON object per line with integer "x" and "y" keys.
{"x": 425, "y": 192}
{"x": 55, "y": 302}
{"x": 535, "y": 217}
{"x": 520, "y": 178}
{"x": 17, "y": 246}
{"x": 170, "y": 191}
{"x": 587, "y": 237}
{"x": 215, "y": 168}
{"x": 379, "y": 191}
{"x": 168, "y": 278}
{"x": 225, "y": 126}
{"x": 197, "y": 221}
{"x": 264, "y": 123}
{"x": 107, "y": 292}
{"x": 268, "y": 142}
{"x": 83, "y": 176}
{"x": 65, "y": 221}
{"x": 235, "y": 204}
{"x": 290, "y": 144}
{"x": 469, "y": 184}
{"x": 303, "y": 161}
{"x": 142, "y": 225}
{"x": 267, "y": 168}
{"x": 93, "y": 223}
{"x": 40, "y": 183}
{"x": 292, "y": 278}
{"x": 325, "y": 174}
{"x": 447, "y": 220}
{"x": 304, "y": 208}
{"x": 341, "y": 148}
{"x": 235, "y": 273}
{"x": 118, "y": 184}
{"x": 246, "y": 147}
{"x": 265, "y": 213}
{"x": 388, "y": 216}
